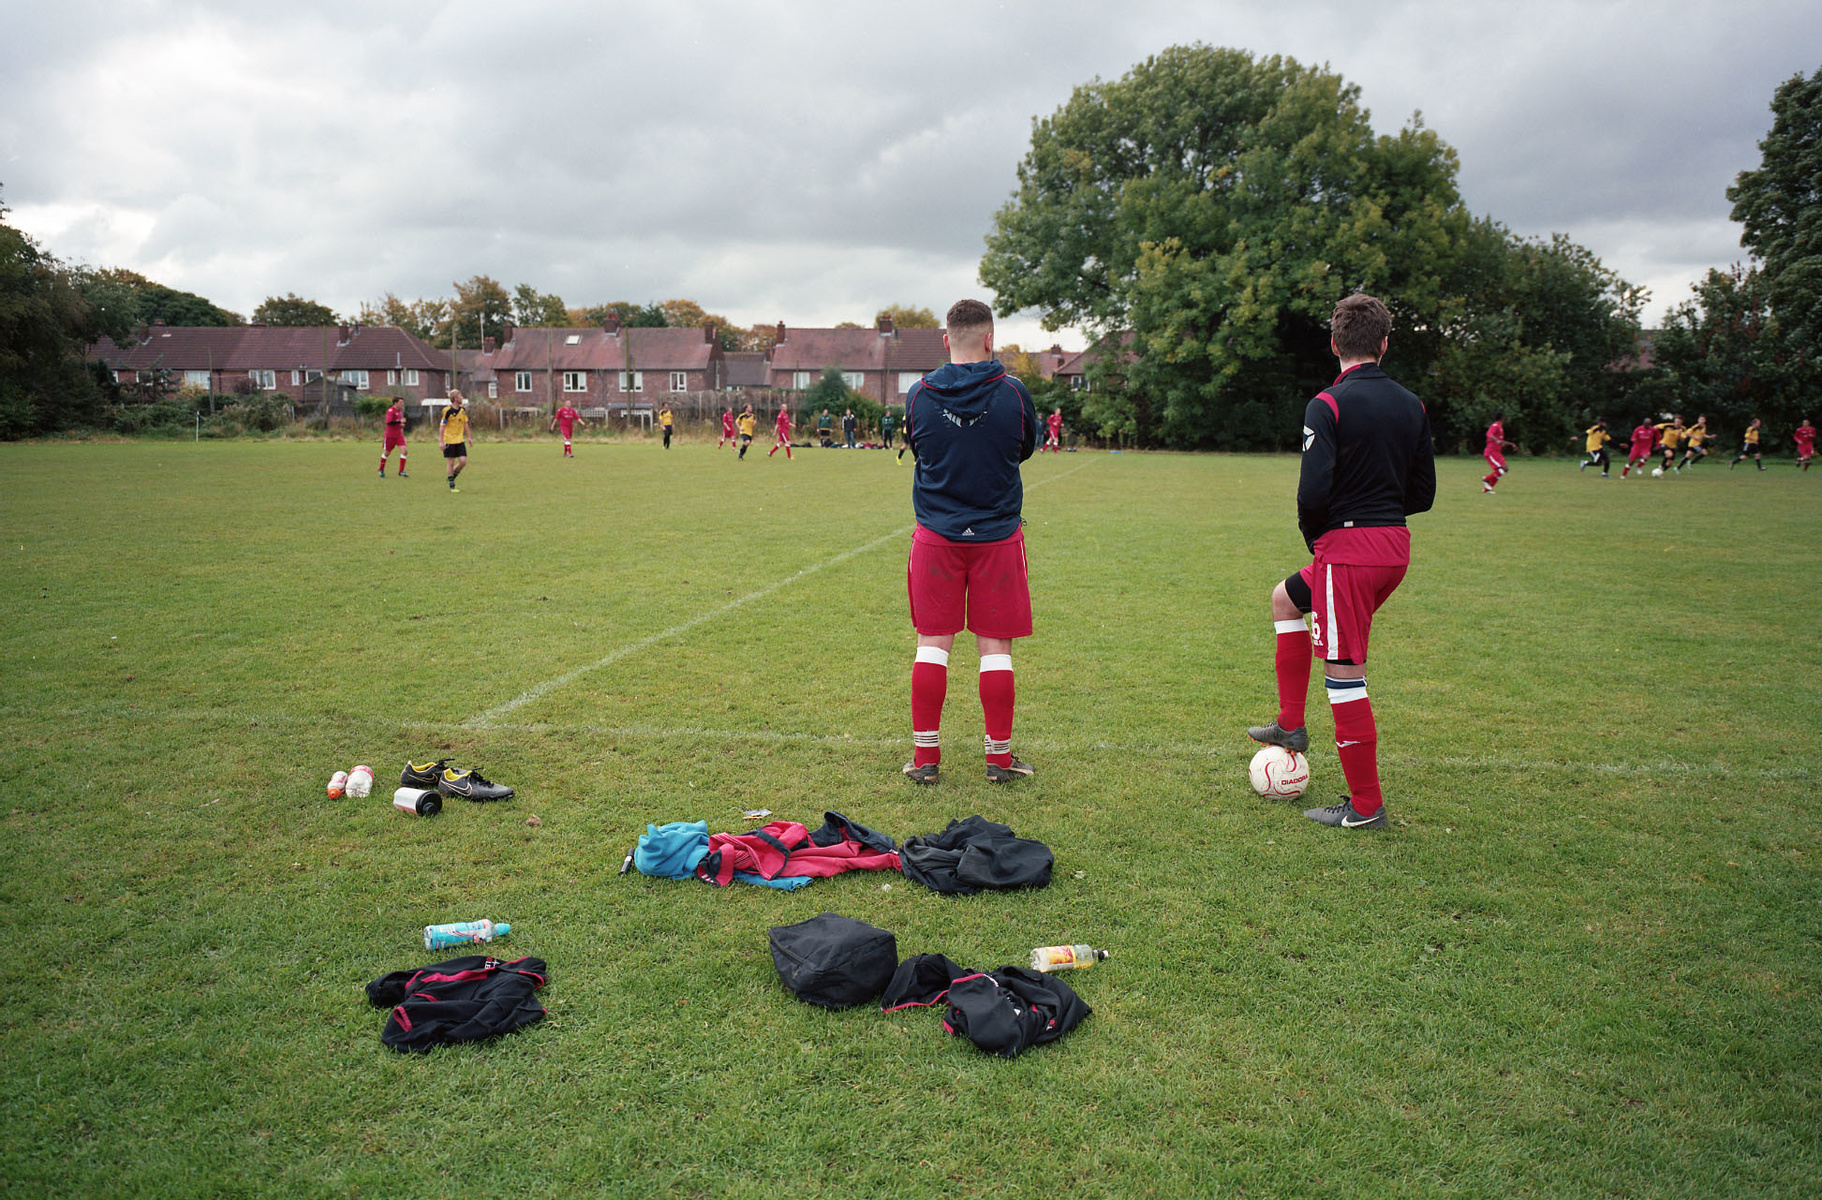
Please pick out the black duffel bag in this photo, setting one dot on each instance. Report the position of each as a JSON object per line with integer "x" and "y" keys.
{"x": 834, "y": 961}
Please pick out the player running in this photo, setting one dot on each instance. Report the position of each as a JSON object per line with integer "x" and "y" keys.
{"x": 452, "y": 431}
{"x": 1670, "y": 436}
{"x": 969, "y": 425}
{"x": 1749, "y": 444}
{"x": 1053, "y": 431}
{"x": 727, "y": 428}
{"x": 1644, "y": 438}
{"x": 566, "y": 418}
{"x": 394, "y": 436}
{"x": 1598, "y": 437}
{"x": 664, "y": 422}
{"x": 1494, "y": 452}
{"x": 1367, "y": 465}
{"x": 746, "y": 422}
{"x": 781, "y": 428}
{"x": 1805, "y": 437}
{"x": 1693, "y": 437}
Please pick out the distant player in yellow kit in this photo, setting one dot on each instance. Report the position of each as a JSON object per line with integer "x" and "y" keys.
{"x": 1598, "y": 438}
{"x": 452, "y": 431}
{"x": 1693, "y": 437}
{"x": 746, "y": 423}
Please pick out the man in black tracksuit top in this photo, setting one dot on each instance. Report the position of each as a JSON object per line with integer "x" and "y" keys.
{"x": 1367, "y": 465}
{"x": 968, "y": 424}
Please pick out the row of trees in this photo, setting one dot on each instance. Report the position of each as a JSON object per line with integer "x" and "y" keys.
{"x": 1201, "y": 215}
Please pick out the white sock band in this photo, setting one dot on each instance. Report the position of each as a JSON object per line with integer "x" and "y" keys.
{"x": 1343, "y": 690}
{"x": 1296, "y": 626}
{"x": 933, "y": 654}
{"x": 995, "y": 662}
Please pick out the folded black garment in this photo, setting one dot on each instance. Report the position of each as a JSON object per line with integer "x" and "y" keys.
{"x": 837, "y": 829}
{"x": 1004, "y": 1011}
{"x": 973, "y": 854}
{"x": 465, "y": 999}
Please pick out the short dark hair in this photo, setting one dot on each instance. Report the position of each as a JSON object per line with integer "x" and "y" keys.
{"x": 1360, "y": 323}
{"x": 969, "y": 315}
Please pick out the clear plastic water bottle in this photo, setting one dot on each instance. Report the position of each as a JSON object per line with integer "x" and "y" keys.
{"x": 463, "y": 933}
{"x": 422, "y": 801}
{"x": 338, "y": 783}
{"x": 360, "y": 782}
{"x": 1065, "y": 958}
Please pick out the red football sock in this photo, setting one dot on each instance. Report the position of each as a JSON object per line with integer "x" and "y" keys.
{"x": 1293, "y": 665}
{"x": 1490, "y": 478}
{"x": 996, "y": 707}
{"x": 1356, "y": 742}
{"x": 929, "y": 684}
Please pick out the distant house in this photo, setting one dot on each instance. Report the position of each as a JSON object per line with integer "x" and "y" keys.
{"x": 281, "y": 358}
{"x": 613, "y": 367}
{"x": 746, "y": 370}
{"x": 1072, "y": 369}
{"x": 881, "y": 363}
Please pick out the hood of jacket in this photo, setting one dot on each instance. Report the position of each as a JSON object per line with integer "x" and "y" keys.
{"x": 963, "y": 389}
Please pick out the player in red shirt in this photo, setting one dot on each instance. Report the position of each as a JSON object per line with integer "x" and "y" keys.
{"x": 727, "y": 428}
{"x": 395, "y": 436}
{"x": 1493, "y": 453}
{"x": 567, "y": 418}
{"x": 782, "y": 426}
{"x": 1053, "y": 431}
{"x": 1644, "y": 437}
{"x": 1805, "y": 437}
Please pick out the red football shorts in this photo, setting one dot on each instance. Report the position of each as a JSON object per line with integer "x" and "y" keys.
{"x": 1343, "y": 599}
{"x": 984, "y": 587}
{"x": 1495, "y": 459}
{"x": 394, "y": 439}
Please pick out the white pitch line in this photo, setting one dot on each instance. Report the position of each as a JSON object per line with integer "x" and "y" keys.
{"x": 490, "y": 718}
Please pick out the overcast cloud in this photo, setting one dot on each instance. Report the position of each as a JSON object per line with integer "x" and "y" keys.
{"x": 809, "y": 162}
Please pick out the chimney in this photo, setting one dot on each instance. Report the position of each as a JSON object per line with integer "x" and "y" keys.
{"x": 780, "y": 337}
{"x": 611, "y": 326}
{"x": 506, "y": 333}
{"x": 708, "y": 334}
{"x": 343, "y": 339}
{"x": 487, "y": 345}
{"x": 885, "y": 324}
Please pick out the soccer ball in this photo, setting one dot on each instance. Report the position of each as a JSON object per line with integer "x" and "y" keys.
{"x": 1279, "y": 774}
{"x": 1657, "y": 472}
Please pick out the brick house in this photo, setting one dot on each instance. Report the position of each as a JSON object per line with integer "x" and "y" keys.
{"x": 881, "y": 363}
{"x": 1072, "y": 369}
{"x": 616, "y": 368}
{"x": 281, "y": 358}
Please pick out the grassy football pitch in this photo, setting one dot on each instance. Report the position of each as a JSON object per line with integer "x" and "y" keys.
{"x": 1583, "y": 961}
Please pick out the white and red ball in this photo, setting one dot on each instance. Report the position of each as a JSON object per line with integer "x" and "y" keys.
{"x": 1279, "y": 774}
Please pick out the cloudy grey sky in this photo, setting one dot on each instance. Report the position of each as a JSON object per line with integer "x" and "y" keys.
{"x": 804, "y": 161}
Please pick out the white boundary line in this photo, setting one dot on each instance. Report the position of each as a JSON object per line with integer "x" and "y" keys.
{"x": 490, "y": 719}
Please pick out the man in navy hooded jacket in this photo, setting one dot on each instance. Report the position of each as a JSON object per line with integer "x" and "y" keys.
{"x": 969, "y": 424}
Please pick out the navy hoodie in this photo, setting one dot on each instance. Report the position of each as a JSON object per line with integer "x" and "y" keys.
{"x": 970, "y": 425}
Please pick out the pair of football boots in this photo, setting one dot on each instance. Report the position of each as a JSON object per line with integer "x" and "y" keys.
{"x": 458, "y": 783}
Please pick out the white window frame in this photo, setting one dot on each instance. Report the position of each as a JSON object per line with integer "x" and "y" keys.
{"x": 680, "y": 381}
{"x": 521, "y": 381}
{"x": 196, "y": 379}
{"x": 265, "y": 381}
{"x": 800, "y": 380}
{"x": 392, "y": 376}
{"x": 296, "y": 378}
{"x": 574, "y": 339}
{"x": 632, "y": 381}
{"x": 854, "y": 380}
{"x": 906, "y": 379}
{"x": 411, "y": 376}
{"x": 360, "y": 379}
{"x": 493, "y": 389}
{"x": 575, "y": 381}
{"x": 116, "y": 376}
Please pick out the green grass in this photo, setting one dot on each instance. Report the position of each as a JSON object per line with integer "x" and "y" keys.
{"x": 1584, "y": 961}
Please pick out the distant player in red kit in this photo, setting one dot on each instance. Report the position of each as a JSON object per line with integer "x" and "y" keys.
{"x": 1494, "y": 452}
{"x": 565, "y": 419}
{"x": 395, "y": 436}
{"x": 727, "y": 428}
{"x": 1644, "y": 437}
{"x": 782, "y": 427}
{"x": 1367, "y": 465}
{"x": 1805, "y": 437}
{"x": 1053, "y": 431}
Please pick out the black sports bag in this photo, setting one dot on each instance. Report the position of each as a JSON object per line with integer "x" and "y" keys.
{"x": 834, "y": 961}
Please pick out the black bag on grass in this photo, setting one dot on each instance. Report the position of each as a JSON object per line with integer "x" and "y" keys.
{"x": 834, "y": 961}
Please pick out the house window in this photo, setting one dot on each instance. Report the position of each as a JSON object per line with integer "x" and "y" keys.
{"x": 411, "y": 377}
{"x": 357, "y": 378}
{"x": 800, "y": 380}
{"x": 146, "y": 376}
{"x": 296, "y": 378}
{"x": 521, "y": 381}
{"x": 854, "y": 380}
{"x": 116, "y": 375}
{"x": 197, "y": 379}
{"x": 575, "y": 381}
{"x": 680, "y": 381}
{"x": 574, "y": 339}
{"x": 392, "y": 377}
{"x": 264, "y": 380}
{"x": 493, "y": 389}
{"x": 632, "y": 381}
{"x": 906, "y": 379}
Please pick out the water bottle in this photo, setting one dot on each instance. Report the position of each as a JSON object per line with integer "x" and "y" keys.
{"x": 423, "y": 801}
{"x": 1065, "y": 958}
{"x": 338, "y": 783}
{"x": 360, "y": 782}
{"x": 463, "y": 933}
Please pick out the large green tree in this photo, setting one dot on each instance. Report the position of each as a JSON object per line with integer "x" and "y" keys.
{"x": 538, "y": 309}
{"x": 154, "y": 301}
{"x": 425, "y": 319}
{"x": 292, "y": 309}
{"x": 1722, "y": 352}
{"x": 1780, "y": 206}
{"x": 909, "y": 316}
{"x": 481, "y": 308}
{"x": 46, "y": 320}
{"x": 1211, "y": 207}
